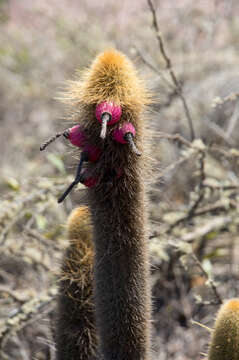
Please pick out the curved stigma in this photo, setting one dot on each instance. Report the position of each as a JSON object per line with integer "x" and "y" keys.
{"x": 130, "y": 140}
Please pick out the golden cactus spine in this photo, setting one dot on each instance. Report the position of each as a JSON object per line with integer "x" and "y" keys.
{"x": 75, "y": 331}
{"x": 225, "y": 336}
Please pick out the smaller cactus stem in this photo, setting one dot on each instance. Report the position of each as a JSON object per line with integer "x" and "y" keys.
{"x": 84, "y": 157}
{"x": 224, "y": 342}
{"x": 129, "y": 138}
{"x": 105, "y": 118}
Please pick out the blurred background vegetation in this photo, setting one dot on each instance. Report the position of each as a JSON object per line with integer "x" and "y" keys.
{"x": 194, "y": 194}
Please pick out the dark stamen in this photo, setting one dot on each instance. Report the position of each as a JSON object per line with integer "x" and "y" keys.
{"x": 105, "y": 118}
{"x": 84, "y": 157}
{"x": 65, "y": 133}
{"x": 130, "y": 139}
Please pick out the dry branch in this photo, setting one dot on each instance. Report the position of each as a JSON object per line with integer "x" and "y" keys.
{"x": 211, "y": 283}
{"x": 169, "y": 67}
{"x": 24, "y": 315}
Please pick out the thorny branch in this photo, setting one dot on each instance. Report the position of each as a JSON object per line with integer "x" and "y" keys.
{"x": 24, "y": 315}
{"x": 170, "y": 69}
{"x": 177, "y": 232}
{"x": 198, "y": 147}
{"x": 25, "y": 255}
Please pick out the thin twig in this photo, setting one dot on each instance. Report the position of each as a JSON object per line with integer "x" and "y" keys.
{"x": 200, "y": 193}
{"x": 215, "y": 224}
{"x": 46, "y": 242}
{"x": 200, "y": 186}
{"x": 154, "y": 69}
{"x": 170, "y": 69}
{"x": 194, "y": 322}
{"x": 173, "y": 137}
{"x": 232, "y": 122}
{"x": 209, "y": 279}
{"x": 218, "y": 206}
{"x": 218, "y": 131}
{"x": 217, "y": 102}
{"x": 11, "y": 294}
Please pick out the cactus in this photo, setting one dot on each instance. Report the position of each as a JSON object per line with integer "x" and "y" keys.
{"x": 107, "y": 104}
{"x": 75, "y": 332}
{"x": 225, "y": 336}
{"x": 117, "y": 202}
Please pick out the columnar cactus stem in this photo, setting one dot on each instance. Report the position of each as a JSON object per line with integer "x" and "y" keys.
{"x": 75, "y": 333}
{"x": 109, "y": 101}
{"x": 225, "y": 336}
{"x": 121, "y": 282}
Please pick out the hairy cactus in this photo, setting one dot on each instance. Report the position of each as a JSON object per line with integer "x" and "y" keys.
{"x": 225, "y": 337}
{"x": 75, "y": 333}
{"x": 117, "y": 203}
{"x": 107, "y": 104}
